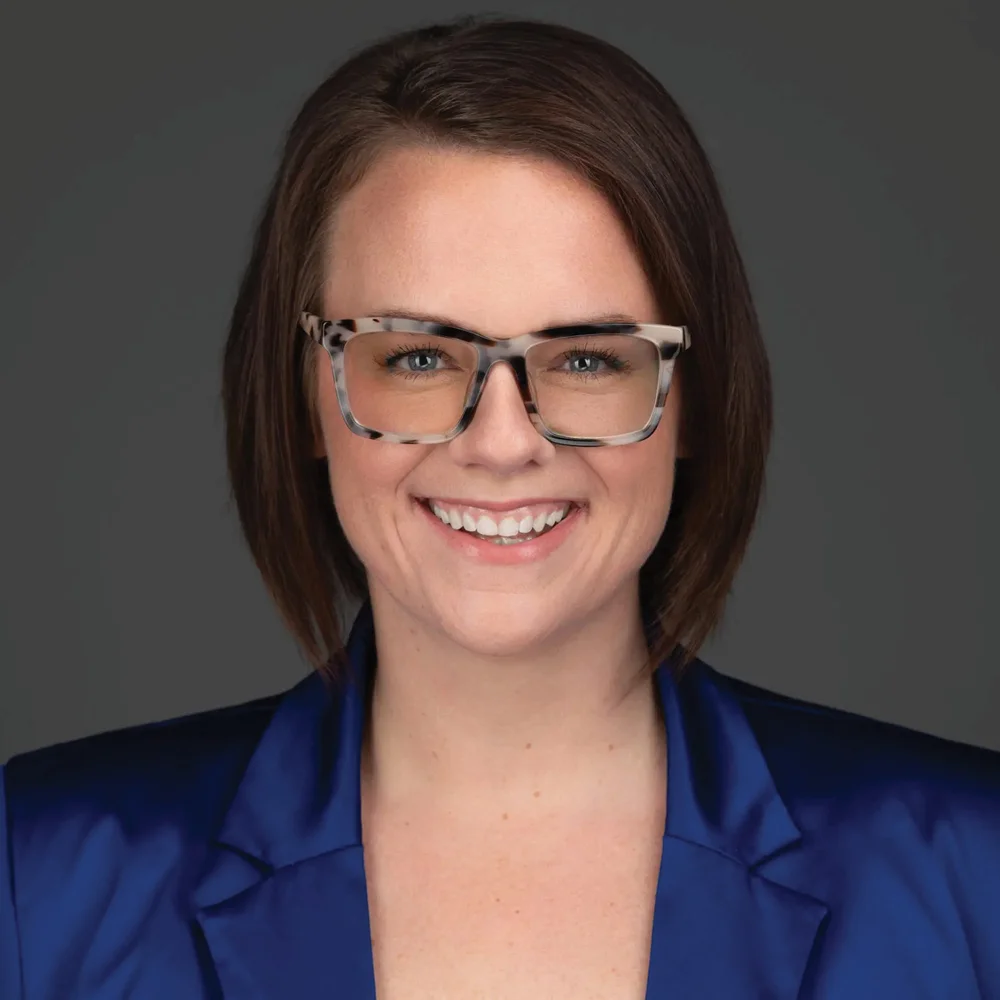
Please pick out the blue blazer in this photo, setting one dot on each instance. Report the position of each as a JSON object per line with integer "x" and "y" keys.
{"x": 808, "y": 853}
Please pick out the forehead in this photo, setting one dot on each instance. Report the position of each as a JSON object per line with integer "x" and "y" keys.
{"x": 499, "y": 242}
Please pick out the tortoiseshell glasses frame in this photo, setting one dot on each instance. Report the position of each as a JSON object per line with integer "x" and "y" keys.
{"x": 334, "y": 335}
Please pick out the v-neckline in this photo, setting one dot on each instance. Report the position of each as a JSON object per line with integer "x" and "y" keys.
{"x": 287, "y": 867}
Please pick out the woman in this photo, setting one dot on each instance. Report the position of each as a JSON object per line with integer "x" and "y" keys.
{"x": 490, "y": 246}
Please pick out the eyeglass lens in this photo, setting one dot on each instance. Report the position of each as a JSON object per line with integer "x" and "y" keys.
{"x": 587, "y": 386}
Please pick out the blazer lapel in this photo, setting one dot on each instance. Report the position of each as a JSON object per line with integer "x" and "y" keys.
{"x": 282, "y": 901}
{"x": 301, "y": 933}
{"x": 721, "y": 927}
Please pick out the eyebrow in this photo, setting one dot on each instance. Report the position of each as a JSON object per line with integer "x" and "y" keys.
{"x": 399, "y": 312}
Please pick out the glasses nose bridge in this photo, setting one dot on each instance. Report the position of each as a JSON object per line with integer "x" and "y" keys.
{"x": 502, "y": 353}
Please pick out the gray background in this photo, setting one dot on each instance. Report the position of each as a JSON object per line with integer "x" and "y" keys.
{"x": 857, "y": 146}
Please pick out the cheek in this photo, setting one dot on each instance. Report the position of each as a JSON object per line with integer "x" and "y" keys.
{"x": 638, "y": 476}
{"x": 366, "y": 477}
{"x": 352, "y": 461}
{"x": 639, "y": 480}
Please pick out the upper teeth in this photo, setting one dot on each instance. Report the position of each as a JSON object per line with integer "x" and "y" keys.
{"x": 507, "y": 527}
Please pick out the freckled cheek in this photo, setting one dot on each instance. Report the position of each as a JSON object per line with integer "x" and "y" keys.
{"x": 358, "y": 466}
{"x": 367, "y": 479}
{"x": 636, "y": 475}
{"x": 370, "y": 474}
{"x": 359, "y": 482}
{"x": 639, "y": 482}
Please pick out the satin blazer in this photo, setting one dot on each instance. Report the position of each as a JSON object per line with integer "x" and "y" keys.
{"x": 807, "y": 853}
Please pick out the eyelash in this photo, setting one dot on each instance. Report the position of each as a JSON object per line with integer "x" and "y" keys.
{"x": 604, "y": 354}
{"x": 403, "y": 352}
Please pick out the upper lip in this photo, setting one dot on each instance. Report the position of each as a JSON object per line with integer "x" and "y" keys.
{"x": 502, "y": 504}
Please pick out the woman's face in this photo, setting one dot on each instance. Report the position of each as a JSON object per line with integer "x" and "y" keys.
{"x": 503, "y": 246}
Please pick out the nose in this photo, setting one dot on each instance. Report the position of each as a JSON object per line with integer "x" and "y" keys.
{"x": 501, "y": 435}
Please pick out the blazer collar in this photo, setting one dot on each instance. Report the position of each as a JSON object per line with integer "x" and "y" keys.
{"x": 721, "y": 794}
{"x": 300, "y": 795}
{"x": 287, "y": 866}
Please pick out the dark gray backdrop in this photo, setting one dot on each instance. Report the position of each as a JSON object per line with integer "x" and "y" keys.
{"x": 857, "y": 146}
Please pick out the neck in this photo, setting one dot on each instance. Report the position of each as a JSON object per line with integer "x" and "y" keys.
{"x": 569, "y": 726}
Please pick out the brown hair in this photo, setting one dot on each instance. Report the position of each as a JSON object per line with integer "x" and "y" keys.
{"x": 512, "y": 87}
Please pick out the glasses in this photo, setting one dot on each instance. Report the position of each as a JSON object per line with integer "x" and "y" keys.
{"x": 416, "y": 382}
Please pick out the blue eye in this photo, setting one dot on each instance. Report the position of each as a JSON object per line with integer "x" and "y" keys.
{"x": 414, "y": 360}
{"x": 585, "y": 364}
{"x": 421, "y": 361}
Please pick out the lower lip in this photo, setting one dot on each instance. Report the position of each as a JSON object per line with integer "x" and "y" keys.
{"x": 499, "y": 554}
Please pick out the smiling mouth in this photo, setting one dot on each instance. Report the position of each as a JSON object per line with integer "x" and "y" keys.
{"x": 514, "y": 527}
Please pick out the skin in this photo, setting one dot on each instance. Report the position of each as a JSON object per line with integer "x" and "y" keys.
{"x": 500, "y": 690}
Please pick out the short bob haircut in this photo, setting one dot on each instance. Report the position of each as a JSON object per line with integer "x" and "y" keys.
{"x": 516, "y": 87}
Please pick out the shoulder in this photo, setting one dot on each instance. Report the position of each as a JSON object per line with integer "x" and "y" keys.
{"x": 100, "y": 837}
{"x": 859, "y": 787}
{"x": 118, "y": 792}
{"x": 181, "y": 762}
{"x": 826, "y": 753}
{"x": 900, "y": 835}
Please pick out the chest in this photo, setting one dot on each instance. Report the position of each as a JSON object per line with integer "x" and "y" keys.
{"x": 512, "y": 917}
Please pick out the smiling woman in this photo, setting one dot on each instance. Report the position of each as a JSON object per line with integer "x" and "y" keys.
{"x": 403, "y": 235}
{"x": 494, "y": 370}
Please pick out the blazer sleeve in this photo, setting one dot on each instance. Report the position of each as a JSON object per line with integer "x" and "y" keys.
{"x": 970, "y": 838}
{"x": 10, "y": 957}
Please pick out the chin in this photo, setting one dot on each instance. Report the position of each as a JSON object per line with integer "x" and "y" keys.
{"x": 500, "y": 625}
